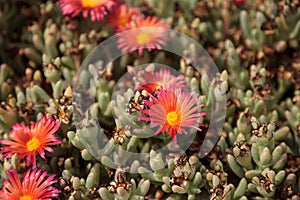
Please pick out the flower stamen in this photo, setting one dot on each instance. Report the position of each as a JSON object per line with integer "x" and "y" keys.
{"x": 91, "y": 3}
{"x": 26, "y": 197}
{"x": 143, "y": 38}
{"x": 173, "y": 118}
{"x": 33, "y": 144}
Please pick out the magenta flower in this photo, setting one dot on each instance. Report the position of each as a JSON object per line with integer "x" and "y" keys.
{"x": 35, "y": 185}
{"x": 96, "y": 8}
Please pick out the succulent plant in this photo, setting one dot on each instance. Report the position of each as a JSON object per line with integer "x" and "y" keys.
{"x": 122, "y": 189}
{"x": 248, "y": 145}
{"x": 186, "y": 177}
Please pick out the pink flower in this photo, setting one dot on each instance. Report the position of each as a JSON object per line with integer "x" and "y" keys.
{"x": 240, "y": 1}
{"x": 96, "y": 8}
{"x": 172, "y": 111}
{"x": 121, "y": 16}
{"x": 30, "y": 140}
{"x": 141, "y": 37}
{"x": 35, "y": 185}
{"x": 153, "y": 80}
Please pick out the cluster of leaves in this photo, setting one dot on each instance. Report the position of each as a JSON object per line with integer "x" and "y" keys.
{"x": 256, "y": 47}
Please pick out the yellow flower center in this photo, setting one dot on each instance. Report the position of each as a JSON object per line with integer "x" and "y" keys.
{"x": 91, "y": 3}
{"x": 33, "y": 144}
{"x": 122, "y": 21}
{"x": 173, "y": 118}
{"x": 26, "y": 197}
{"x": 158, "y": 86}
{"x": 143, "y": 38}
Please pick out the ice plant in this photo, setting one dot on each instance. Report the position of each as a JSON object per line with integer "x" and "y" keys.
{"x": 142, "y": 33}
{"x": 121, "y": 16}
{"x": 153, "y": 80}
{"x": 35, "y": 185}
{"x": 172, "y": 111}
{"x": 28, "y": 141}
{"x": 96, "y": 8}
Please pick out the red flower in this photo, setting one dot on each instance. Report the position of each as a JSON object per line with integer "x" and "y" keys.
{"x": 153, "y": 80}
{"x": 30, "y": 140}
{"x": 121, "y": 16}
{"x": 152, "y": 38}
{"x": 172, "y": 111}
